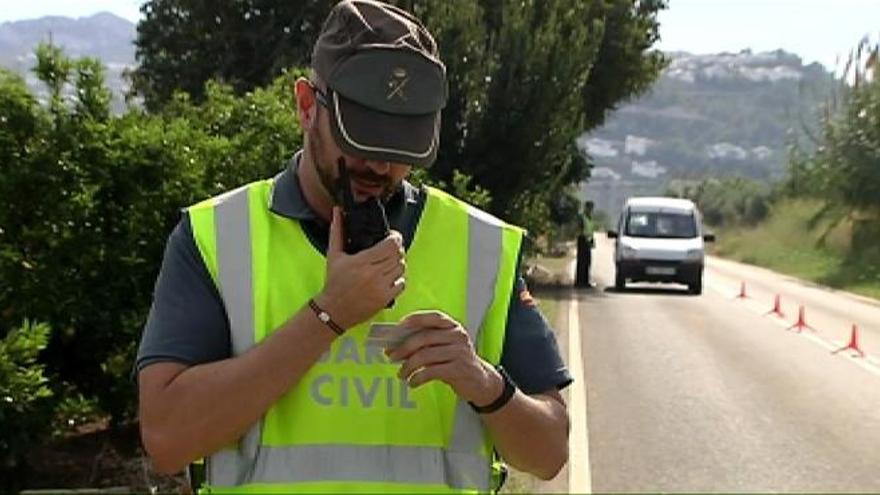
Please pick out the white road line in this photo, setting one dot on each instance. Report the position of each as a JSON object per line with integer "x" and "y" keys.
{"x": 579, "y": 480}
{"x": 867, "y": 363}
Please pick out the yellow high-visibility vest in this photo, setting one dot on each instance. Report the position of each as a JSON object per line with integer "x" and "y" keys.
{"x": 350, "y": 425}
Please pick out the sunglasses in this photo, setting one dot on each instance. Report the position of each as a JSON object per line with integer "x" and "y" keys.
{"x": 320, "y": 95}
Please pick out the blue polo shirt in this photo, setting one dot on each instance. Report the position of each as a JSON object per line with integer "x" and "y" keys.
{"x": 188, "y": 323}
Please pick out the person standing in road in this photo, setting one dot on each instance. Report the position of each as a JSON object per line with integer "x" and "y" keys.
{"x": 585, "y": 244}
{"x": 290, "y": 363}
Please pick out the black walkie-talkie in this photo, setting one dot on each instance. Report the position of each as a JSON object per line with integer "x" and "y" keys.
{"x": 364, "y": 224}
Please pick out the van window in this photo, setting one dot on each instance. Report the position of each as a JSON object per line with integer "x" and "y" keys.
{"x": 661, "y": 224}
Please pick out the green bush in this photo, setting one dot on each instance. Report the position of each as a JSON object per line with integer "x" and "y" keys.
{"x": 91, "y": 197}
{"x": 842, "y": 169}
{"x": 461, "y": 187}
{"x": 25, "y": 397}
{"x": 730, "y": 201}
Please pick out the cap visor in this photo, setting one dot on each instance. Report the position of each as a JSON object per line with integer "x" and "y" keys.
{"x": 376, "y": 135}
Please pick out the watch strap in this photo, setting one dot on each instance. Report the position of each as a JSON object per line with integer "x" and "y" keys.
{"x": 324, "y": 317}
{"x": 502, "y": 400}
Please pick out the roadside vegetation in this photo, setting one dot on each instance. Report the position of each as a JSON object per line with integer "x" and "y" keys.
{"x": 791, "y": 240}
{"x": 822, "y": 222}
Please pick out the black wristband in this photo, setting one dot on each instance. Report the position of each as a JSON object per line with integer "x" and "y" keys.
{"x": 503, "y": 399}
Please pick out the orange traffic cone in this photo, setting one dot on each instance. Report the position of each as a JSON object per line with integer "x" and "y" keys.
{"x": 742, "y": 291}
{"x": 853, "y": 342}
{"x": 777, "y": 308}
{"x": 801, "y": 323}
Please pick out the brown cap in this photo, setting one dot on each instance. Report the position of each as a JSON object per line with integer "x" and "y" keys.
{"x": 386, "y": 82}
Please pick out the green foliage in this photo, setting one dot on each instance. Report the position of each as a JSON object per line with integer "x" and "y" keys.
{"x": 461, "y": 187}
{"x": 90, "y": 199}
{"x": 730, "y": 201}
{"x": 53, "y": 69}
{"x": 826, "y": 229}
{"x": 625, "y": 66}
{"x": 93, "y": 100}
{"x": 521, "y": 146}
{"x": 72, "y": 410}
{"x": 792, "y": 241}
{"x": 525, "y": 77}
{"x": 845, "y": 168}
{"x": 20, "y": 116}
{"x": 24, "y": 396}
{"x": 182, "y": 44}
{"x": 517, "y": 102}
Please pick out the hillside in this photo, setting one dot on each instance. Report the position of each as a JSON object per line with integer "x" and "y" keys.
{"x": 105, "y": 36}
{"x": 708, "y": 115}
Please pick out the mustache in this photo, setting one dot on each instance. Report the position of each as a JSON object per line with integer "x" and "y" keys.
{"x": 369, "y": 176}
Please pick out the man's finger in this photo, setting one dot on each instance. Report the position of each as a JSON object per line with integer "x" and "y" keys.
{"x": 394, "y": 270}
{"x": 429, "y": 319}
{"x": 426, "y": 356}
{"x": 398, "y": 286}
{"x": 425, "y": 338}
{"x": 388, "y": 248}
{"x": 336, "y": 243}
{"x": 425, "y": 375}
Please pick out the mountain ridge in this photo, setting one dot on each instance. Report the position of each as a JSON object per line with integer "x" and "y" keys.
{"x": 726, "y": 114}
{"x": 103, "y": 35}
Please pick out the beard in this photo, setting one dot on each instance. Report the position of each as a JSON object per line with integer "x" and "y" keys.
{"x": 322, "y": 166}
{"x": 327, "y": 169}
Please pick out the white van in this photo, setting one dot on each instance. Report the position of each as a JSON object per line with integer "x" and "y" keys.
{"x": 660, "y": 240}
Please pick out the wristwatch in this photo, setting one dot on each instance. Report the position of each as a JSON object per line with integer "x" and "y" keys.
{"x": 503, "y": 399}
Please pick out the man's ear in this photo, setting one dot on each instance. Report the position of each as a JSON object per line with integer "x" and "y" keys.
{"x": 306, "y": 104}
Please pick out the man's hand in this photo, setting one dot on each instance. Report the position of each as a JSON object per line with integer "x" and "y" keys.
{"x": 441, "y": 349}
{"x": 360, "y": 285}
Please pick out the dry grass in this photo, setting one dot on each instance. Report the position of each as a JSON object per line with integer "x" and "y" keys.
{"x": 790, "y": 243}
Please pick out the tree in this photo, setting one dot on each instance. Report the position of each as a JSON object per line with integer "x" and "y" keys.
{"x": 182, "y": 44}
{"x": 526, "y": 76}
{"x": 525, "y": 82}
{"x": 25, "y": 405}
{"x": 625, "y": 65}
{"x": 845, "y": 168}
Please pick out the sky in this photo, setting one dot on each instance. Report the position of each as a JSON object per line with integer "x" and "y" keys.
{"x": 817, "y": 30}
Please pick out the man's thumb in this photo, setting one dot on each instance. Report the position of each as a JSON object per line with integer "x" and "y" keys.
{"x": 336, "y": 236}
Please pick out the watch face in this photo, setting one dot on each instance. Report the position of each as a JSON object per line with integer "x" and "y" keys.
{"x": 323, "y": 316}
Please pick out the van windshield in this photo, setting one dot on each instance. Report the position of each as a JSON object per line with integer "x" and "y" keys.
{"x": 661, "y": 224}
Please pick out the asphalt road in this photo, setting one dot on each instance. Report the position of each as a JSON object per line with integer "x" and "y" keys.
{"x": 708, "y": 394}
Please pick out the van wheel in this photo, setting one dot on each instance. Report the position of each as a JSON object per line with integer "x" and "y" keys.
{"x": 696, "y": 287}
{"x": 619, "y": 281}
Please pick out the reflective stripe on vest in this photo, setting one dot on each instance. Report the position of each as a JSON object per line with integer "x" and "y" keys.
{"x": 379, "y": 463}
{"x": 459, "y": 465}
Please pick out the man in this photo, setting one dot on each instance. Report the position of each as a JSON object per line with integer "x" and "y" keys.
{"x": 292, "y": 365}
{"x": 585, "y": 243}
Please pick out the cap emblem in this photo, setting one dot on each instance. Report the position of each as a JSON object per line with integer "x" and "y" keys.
{"x": 396, "y": 83}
